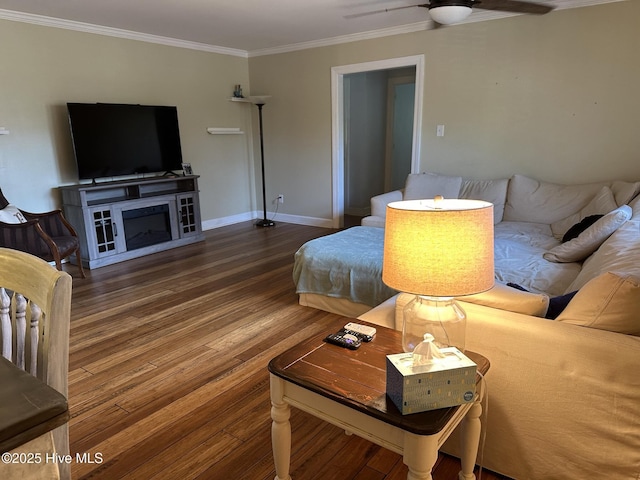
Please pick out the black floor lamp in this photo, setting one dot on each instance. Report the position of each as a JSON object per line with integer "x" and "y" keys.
{"x": 265, "y": 222}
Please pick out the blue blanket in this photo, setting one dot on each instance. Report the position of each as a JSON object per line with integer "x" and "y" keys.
{"x": 346, "y": 264}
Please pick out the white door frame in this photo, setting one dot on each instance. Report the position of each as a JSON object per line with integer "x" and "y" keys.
{"x": 337, "y": 120}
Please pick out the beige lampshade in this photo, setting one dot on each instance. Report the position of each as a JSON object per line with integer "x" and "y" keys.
{"x": 439, "y": 248}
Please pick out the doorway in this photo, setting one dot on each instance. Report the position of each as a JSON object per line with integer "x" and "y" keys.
{"x": 401, "y": 92}
{"x": 403, "y": 77}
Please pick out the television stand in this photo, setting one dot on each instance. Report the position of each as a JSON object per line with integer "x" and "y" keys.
{"x": 121, "y": 220}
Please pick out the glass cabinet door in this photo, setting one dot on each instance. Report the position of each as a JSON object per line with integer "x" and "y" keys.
{"x": 105, "y": 231}
{"x": 189, "y": 215}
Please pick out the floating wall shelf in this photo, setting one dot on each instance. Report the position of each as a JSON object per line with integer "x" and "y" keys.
{"x": 224, "y": 131}
{"x": 255, "y": 99}
{"x": 4, "y": 131}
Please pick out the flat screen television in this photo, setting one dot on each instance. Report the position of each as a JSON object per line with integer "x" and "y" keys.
{"x": 116, "y": 139}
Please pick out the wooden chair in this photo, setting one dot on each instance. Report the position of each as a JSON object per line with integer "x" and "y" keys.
{"x": 47, "y": 235}
{"x": 35, "y": 311}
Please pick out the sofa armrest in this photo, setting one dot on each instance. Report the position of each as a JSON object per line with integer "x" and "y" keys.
{"x": 511, "y": 299}
{"x": 383, "y": 315}
{"x": 379, "y": 202}
{"x": 500, "y": 296}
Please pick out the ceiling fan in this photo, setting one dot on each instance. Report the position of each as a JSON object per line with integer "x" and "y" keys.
{"x": 448, "y": 12}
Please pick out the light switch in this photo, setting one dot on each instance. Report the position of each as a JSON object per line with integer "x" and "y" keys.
{"x": 440, "y": 131}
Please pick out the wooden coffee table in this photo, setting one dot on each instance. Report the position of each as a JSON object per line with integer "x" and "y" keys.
{"x": 347, "y": 388}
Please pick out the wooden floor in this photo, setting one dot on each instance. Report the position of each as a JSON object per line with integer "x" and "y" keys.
{"x": 168, "y": 376}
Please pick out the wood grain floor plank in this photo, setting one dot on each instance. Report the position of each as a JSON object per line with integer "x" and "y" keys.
{"x": 170, "y": 463}
{"x": 369, "y": 474}
{"x": 384, "y": 461}
{"x": 88, "y": 427}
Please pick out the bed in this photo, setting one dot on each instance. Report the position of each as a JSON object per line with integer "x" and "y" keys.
{"x": 342, "y": 272}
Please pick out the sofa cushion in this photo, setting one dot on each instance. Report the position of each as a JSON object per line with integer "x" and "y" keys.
{"x": 590, "y": 240}
{"x": 580, "y": 227}
{"x": 603, "y": 202}
{"x": 530, "y": 200}
{"x": 610, "y": 301}
{"x": 555, "y": 304}
{"x": 518, "y": 248}
{"x": 512, "y": 299}
{"x": 492, "y": 191}
{"x": 635, "y": 206}
{"x": 501, "y": 297}
{"x": 624, "y": 192}
{"x": 619, "y": 253}
{"x": 428, "y": 185}
{"x": 11, "y": 214}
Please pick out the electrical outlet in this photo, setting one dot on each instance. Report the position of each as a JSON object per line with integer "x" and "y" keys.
{"x": 280, "y": 198}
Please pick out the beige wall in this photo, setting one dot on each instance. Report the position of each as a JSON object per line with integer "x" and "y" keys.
{"x": 553, "y": 97}
{"x": 42, "y": 68}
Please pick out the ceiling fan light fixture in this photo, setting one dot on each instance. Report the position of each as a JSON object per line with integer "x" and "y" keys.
{"x": 449, "y": 14}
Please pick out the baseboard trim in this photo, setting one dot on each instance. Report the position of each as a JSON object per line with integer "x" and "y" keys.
{"x": 276, "y": 217}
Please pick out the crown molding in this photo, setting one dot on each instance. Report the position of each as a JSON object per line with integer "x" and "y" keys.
{"x": 478, "y": 16}
{"x": 116, "y": 32}
{"x": 354, "y": 37}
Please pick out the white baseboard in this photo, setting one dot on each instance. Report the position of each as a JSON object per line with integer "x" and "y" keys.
{"x": 224, "y": 221}
{"x": 301, "y": 220}
{"x": 276, "y": 217}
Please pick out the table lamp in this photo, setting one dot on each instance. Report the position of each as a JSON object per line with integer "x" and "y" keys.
{"x": 438, "y": 249}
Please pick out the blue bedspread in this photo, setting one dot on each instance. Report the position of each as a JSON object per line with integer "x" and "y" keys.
{"x": 346, "y": 264}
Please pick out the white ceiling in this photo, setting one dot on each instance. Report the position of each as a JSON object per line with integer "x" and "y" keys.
{"x": 242, "y": 27}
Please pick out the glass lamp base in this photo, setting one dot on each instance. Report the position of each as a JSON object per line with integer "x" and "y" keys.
{"x": 442, "y": 317}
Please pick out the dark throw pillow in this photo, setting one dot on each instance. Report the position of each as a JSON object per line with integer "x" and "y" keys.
{"x": 558, "y": 304}
{"x": 580, "y": 227}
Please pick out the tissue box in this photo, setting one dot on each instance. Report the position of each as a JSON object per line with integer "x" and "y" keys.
{"x": 448, "y": 382}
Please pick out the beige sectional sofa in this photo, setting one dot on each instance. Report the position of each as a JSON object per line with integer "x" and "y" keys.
{"x": 564, "y": 394}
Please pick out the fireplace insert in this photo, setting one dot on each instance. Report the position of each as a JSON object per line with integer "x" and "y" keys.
{"x": 146, "y": 226}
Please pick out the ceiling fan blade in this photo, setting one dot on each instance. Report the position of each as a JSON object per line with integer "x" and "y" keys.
{"x": 515, "y": 6}
{"x": 376, "y": 12}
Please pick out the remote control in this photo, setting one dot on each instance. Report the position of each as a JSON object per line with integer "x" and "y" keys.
{"x": 363, "y": 332}
{"x": 343, "y": 339}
